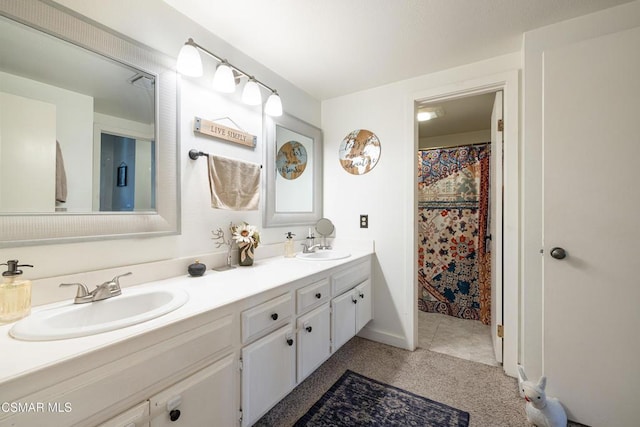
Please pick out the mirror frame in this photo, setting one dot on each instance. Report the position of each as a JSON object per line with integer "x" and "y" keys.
{"x": 271, "y": 218}
{"x": 36, "y": 229}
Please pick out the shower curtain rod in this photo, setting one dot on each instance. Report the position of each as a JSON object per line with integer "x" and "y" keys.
{"x": 454, "y": 146}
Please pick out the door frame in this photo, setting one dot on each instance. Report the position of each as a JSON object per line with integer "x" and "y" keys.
{"x": 508, "y": 82}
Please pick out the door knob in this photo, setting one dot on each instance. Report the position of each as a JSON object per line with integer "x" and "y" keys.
{"x": 558, "y": 253}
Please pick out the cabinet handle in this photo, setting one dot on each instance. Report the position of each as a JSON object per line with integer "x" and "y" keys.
{"x": 361, "y": 295}
{"x": 318, "y": 295}
{"x": 355, "y": 301}
{"x": 274, "y": 316}
{"x": 174, "y": 414}
{"x": 309, "y": 328}
{"x": 290, "y": 341}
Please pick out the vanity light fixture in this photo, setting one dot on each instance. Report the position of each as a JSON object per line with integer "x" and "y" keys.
{"x": 224, "y": 79}
{"x": 189, "y": 62}
{"x": 273, "y": 107}
{"x": 251, "y": 93}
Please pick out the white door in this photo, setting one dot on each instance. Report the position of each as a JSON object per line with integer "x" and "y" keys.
{"x": 206, "y": 398}
{"x": 343, "y": 321}
{"x": 495, "y": 224}
{"x": 268, "y": 373}
{"x": 314, "y": 340}
{"x": 364, "y": 307}
{"x": 591, "y": 317}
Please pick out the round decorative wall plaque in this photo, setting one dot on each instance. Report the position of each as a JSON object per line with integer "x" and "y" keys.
{"x": 291, "y": 160}
{"x": 359, "y": 151}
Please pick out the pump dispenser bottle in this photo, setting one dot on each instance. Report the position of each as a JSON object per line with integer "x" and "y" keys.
{"x": 289, "y": 251}
{"x": 15, "y": 293}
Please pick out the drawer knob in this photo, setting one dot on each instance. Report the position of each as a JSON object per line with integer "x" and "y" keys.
{"x": 318, "y": 295}
{"x": 290, "y": 341}
{"x": 309, "y": 328}
{"x": 174, "y": 414}
{"x": 274, "y": 316}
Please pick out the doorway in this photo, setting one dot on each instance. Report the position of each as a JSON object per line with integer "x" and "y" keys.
{"x": 459, "y": 303}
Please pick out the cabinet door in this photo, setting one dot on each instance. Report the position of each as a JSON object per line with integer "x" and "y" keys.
{"x": 268, "y": 373}
{"x": 131, "y": 417}
{"x": 207, "y": 398}
{"x": 343, "y": 324}
{"x": 364, "y": 308}
{"x": 314, "y": 340}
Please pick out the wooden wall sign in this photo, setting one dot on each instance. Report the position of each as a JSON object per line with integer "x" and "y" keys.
{"x": 210, "y": 128}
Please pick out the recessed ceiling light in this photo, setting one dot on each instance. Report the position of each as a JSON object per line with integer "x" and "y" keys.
{"x": 429, "y": 113}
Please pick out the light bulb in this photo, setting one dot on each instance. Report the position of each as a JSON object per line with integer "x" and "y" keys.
{"x": 223, "y": 79}
{"x": 273, "y": 106}
{"x": 189, "y": 62}
{"x": 251, "y": 93}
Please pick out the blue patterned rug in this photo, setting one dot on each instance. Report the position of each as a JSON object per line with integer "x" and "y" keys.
{"x": 355, "y": 400}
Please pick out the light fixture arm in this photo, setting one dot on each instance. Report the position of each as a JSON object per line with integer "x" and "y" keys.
{"x": 233, "y": 67}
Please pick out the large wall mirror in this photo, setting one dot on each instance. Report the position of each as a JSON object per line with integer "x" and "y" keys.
{"x": 88, "y": 130}
{"x": 294, "y": 173}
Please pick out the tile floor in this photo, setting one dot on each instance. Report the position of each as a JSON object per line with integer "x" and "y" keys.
{"x": 465, "y": 339}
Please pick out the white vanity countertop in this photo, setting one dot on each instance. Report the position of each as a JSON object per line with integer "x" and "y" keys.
{"x": 211, "y": 291}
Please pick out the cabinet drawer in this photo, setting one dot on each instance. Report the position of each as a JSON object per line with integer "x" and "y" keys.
{"x": 313, "y": 295}
{"x": 347, "y": 279}
{"x": 266, "y": 317}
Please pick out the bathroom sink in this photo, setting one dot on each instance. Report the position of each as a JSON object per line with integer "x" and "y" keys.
{"x": 79, "y": 320}
{"x": 323, "y": 255}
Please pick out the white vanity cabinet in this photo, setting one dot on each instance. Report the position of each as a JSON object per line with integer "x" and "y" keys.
{"x": 138, "y": 416}
{"x": 351, "y": 311}
{"x": 268, "y": 373}
{"x": 314, "y": 340}
{"x": 222, "y": 366}
{"x": 206, "y": 398}
{"x": 269, "y": 364}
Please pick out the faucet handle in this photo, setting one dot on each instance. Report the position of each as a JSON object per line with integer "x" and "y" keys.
{"x": 82, "y": 294}
{"x": 114, "y": 284}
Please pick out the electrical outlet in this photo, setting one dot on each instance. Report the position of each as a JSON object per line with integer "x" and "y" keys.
{"x": 364, "y": 221}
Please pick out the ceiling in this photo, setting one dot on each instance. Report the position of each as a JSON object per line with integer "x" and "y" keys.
{"x": 460, "y": 115}
{"x": 330, "y": 48}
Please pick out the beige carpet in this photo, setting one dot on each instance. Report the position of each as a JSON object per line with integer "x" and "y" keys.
{"x": 484, "y": 391}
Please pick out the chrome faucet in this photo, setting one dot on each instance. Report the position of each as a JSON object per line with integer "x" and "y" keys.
{"x": 309, "y": 249}
{"x": 106, "y": 290}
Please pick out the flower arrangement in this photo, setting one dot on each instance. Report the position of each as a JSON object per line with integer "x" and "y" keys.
{"x": 248, "y": 238}
{"x": 245, "y": 233}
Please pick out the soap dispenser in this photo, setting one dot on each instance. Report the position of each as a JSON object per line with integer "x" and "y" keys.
{"x": 289, "y": 251}
{"x": 15, "y": 293}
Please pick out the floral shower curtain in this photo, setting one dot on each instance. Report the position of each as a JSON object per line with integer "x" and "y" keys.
{"x": 453, "y": 207}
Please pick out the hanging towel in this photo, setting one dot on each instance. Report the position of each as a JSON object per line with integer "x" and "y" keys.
{"x": 61, "y": 176}
{"x": 234, "y": 185}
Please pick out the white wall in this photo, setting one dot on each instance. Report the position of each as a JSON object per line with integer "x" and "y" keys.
{"x": 74, "y": 115}
{"x": 147, "y": 21}
{"x": 27, "y": 154}
{"x": 386, "y": 193}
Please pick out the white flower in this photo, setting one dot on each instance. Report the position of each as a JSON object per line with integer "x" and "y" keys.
{"x": 245, "y": 233}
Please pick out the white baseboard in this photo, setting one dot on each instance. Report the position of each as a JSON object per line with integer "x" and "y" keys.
{"x": 384, "y": 337}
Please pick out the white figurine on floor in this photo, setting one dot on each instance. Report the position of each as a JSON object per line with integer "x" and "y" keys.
{"x": 542, "y": 411}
